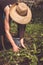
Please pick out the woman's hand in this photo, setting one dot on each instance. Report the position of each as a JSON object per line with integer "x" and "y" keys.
{"x": 16, "y": 48}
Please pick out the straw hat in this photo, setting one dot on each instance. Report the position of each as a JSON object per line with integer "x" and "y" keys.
{"x": 21, "y": 13}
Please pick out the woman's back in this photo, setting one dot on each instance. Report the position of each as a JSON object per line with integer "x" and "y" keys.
{"x": 3, "y": 3}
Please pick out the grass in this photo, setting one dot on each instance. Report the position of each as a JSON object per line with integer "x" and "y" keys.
{"x": 33, "y": 55}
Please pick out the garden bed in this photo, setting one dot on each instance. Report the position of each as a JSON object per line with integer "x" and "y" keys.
{"x": 33, "y": 55}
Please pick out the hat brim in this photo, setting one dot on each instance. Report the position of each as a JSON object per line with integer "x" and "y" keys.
{"x": 18, "y": 18}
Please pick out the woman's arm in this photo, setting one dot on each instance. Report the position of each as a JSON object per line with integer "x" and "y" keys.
{"x": 7, "y": 29}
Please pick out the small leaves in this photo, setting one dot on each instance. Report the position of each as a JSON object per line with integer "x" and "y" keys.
{"x": 41, "y": 59}
{"x": 34, "y": 44}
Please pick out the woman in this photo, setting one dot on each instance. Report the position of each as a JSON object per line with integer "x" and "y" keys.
{"x": 5, "y": 7}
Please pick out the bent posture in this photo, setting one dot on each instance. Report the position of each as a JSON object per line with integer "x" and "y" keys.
{"x": 5, "y": 7}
